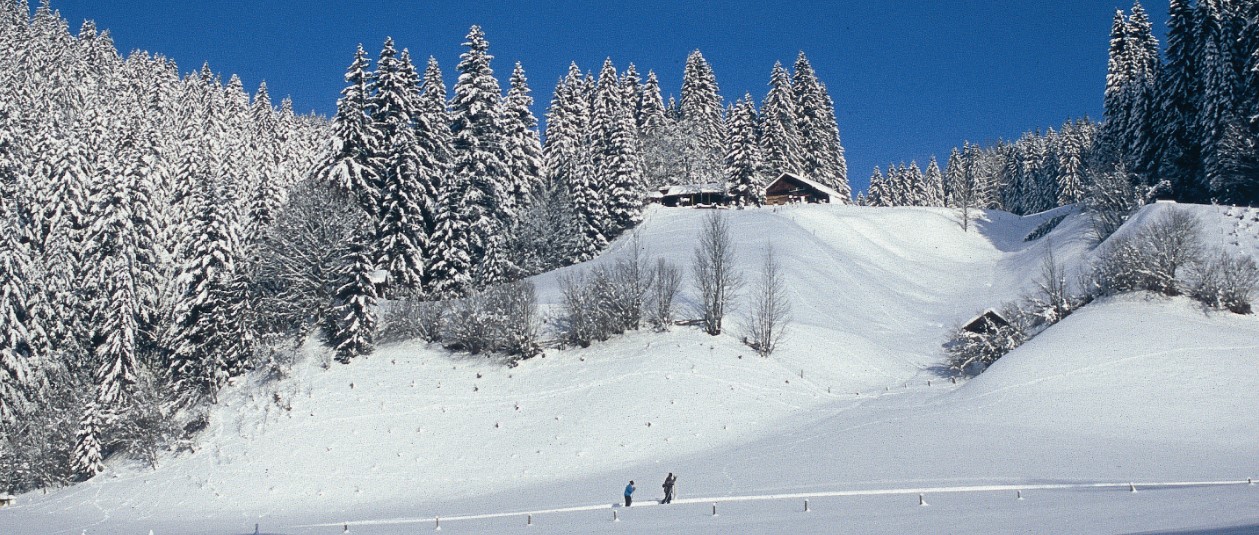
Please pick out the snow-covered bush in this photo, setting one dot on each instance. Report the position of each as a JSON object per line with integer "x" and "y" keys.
{"x": 501, "y": 319}
{"x": 1152, "y": 259}
{"x": 1170, "y": 244}
{"x": 410, "y": 319}
{"x": 1227, "y": 282}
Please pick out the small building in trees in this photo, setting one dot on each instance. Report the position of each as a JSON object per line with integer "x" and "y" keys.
{"x": 711, "y": 194}
{"x": 987, "y": 323}
{"x": 790, "y": 188}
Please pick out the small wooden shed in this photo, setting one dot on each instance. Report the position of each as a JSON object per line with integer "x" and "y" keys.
{"x": 790, "y": 188}
{"x": 986, "y": 323}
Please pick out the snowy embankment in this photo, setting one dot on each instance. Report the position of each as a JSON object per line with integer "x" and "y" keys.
{"x": 1137, "y": 388}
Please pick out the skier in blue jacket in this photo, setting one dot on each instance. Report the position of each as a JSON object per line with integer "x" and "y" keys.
{"x": 629, "y": 491}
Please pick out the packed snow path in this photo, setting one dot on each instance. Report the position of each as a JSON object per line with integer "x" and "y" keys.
{"x": 1016, "y": 491}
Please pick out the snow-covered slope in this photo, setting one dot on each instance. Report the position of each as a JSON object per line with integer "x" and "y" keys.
{"x": 1130, "y": 389}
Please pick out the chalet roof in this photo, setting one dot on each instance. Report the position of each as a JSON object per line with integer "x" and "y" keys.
{"x": 992, "y": 315}
{"x": 694, "y": 189}
{"x": 812, "y": 184}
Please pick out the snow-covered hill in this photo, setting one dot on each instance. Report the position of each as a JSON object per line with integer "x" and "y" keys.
{"x": 849, "y": 413}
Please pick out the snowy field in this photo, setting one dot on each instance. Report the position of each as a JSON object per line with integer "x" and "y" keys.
{"x": 852, "y": 414}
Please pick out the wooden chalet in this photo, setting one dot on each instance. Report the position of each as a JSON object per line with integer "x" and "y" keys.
{"x": 692, "y": 195}
{"x": 986, "y": 323}
{"x": 790, "y": 188}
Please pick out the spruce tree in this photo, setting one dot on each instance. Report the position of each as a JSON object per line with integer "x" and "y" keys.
{"x": 933, "y": 183}
{"x": 780, "y": 141}
{"x": 743, "y": 155}
{"x": 480, "y": 161}
{"x": 15, "y": 333}
{"x": 400, "y": 238}
{"x": 86, "y": 459}
{"x": 1116, "y": 103}
{"x": 353, "y": 316}
{"x": 526, "y": 162}
{"x": 700, "y": 110}
{"x": 651, "y": 112}
{"x": 614, "y": 141}
{"x": 1143, "y": 92}
{"x": 878, "y": 191}
{"x": 822, "y": 154}
{"x": 204, "y": 339}
{"x": 353, "y": 167}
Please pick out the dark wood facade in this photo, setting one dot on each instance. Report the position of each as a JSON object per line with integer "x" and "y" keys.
{"x": 789, "y": 189}
{"x": 693, "y": 195}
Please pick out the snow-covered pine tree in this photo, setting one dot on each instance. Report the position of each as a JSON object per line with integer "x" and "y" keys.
{"x": 400, "y": 240}
{"x": 525, "y": 160}
{"x": 822, "y": 154}
{"x": 915, "y": 186}
{"x": 87, "y": 459}
{"x": 632, "y": 89}
{"x": 1179, "y": 92}
{"x": 933, "y": 184}
{"x": 1143, "y": 92}
{"x": 1071, "y": 155}
{"x": 352, "y": 319}
{"x": 264, "y": 147}
{"x": 204, "y": 340}
{"x": 650, "y": 111}
{"x": 1218, "y": 121}
{"x": 618, "y": 185}
{"x": 743, "y": 155}
{"x": 480, "y": 161}
{"x": 569, "y": 146}
{"x": 16, "y": 370}
{"x": 352, "y": 167}
{"x": 567, "y": 116}
{"x": 953, "y": 177}
{"x": 701, "y": 113}
{"x": 1117, "y": 100}
{"x": 877, "y": 194}
{"x": 780, "y": 141}
{"x": 659, "y": 136}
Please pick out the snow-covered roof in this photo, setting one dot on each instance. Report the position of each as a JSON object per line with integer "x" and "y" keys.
{"x": 694, "y": 189}
{"x": 812, "y": 184}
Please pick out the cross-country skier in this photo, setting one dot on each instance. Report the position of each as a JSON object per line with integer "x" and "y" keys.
{"x": 668, "y": 488}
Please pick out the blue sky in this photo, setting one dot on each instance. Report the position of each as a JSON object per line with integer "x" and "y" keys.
{"x": 910, "y": 79}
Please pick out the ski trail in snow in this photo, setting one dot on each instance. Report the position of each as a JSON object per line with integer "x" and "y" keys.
{"x": 799, "y": 496}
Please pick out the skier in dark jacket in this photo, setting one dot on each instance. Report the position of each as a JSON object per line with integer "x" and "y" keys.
{"x": 668, "y": 488}
{"x": 629, "y": 491}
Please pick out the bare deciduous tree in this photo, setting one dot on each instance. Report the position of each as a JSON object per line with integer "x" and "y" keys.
{"x": 716, "y": 280}
{"x": 666, "y": 280}
{"x": 766, "y": 322}
{"x": 1053, "y": 296}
